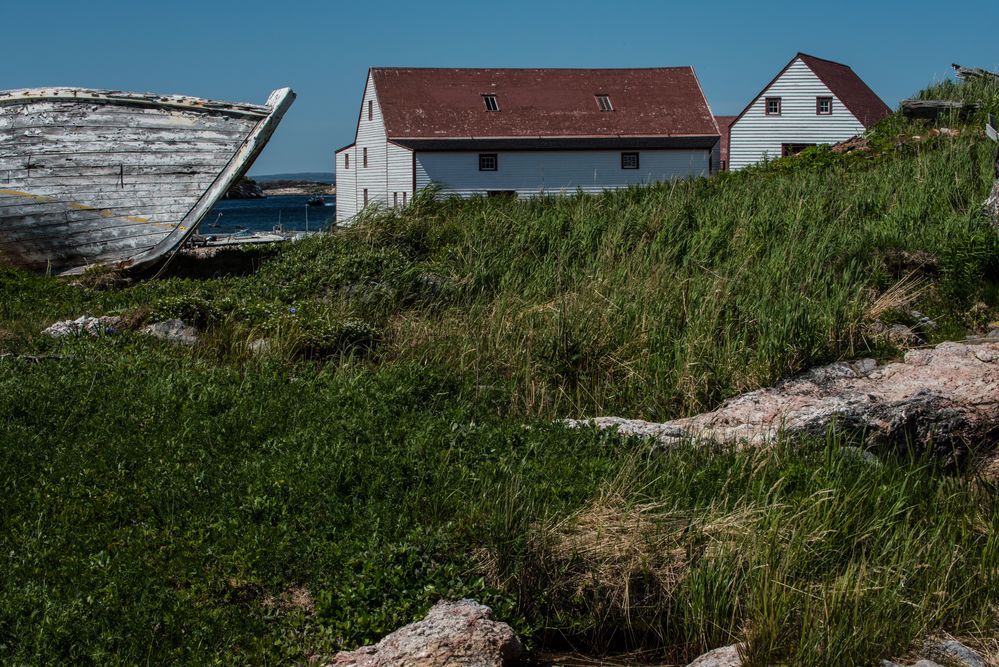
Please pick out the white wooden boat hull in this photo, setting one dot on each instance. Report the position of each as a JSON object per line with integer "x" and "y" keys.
{"x": 90, "y": 177}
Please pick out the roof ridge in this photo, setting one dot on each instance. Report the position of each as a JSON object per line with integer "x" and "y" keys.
{"x": 547, "y": 69}
{"x": 826, "y": 60}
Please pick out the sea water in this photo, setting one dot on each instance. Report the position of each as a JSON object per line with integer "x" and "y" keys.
{"x": 290, "y": 212}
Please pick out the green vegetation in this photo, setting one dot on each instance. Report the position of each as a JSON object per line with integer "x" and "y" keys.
{"x": 397, "y": 441}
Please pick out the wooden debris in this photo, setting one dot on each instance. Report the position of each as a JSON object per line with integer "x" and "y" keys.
{"x": 932, "y": 109}
{"x": 974, "y": 73}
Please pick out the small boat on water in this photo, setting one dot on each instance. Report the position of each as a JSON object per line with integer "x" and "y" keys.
{"x": 316, "y": 201}
{"x": 96, "y": 177}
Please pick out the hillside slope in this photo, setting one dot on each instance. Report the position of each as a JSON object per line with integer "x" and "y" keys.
{"x": 395, "y": 438}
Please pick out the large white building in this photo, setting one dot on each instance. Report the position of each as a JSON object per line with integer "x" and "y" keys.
{"x": 523, "y": 132}
{"x": 811, "y": 101}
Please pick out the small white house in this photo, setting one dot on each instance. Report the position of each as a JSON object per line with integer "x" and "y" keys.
{"x": 522, "y": 132}
{"x": 811, "y": 101}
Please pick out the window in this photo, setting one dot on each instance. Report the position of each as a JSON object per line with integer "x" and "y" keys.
{"x": 365, "y": 157}
{"x": 603, "y": 101}
{"x": 488, "y": 162}
{"x": 365, "y": 196}
{"x": 490, "y": 102}
{"x": 371, "y": 110}
{"x": 823, "y": 106}
{"x": 346, "y": 160}
{"x": 501, "y": 193}
{"x": 395, "y": 199}
{"x": 773, "y": 106}
{"x": 403, "y": 198}
{"x": 629, "y": 160}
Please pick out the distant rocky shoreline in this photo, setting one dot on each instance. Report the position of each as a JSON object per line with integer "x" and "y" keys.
{"x": 248, "y": 188}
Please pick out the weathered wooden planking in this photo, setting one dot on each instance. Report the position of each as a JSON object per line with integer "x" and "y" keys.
{"x": 51, "y": 146}
{"x": 70, "y": 171}
{"x": 48, "y": 113}
{"x": 124, "y": 99}
{"x": 111, "y": 184}
{"x": 970, "y": 73}
{"x": 113, "y": 239}
{"x": 118, "y": 236}
{"x": 115, "y": 133}
{"x": 66, "y": 165}
{"x": 87, "y": 252}
{"x": 931, "y": 109}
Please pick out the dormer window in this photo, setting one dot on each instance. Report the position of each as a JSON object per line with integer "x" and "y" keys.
{"x": 603, "y": 101}
{"x": 490, "y": 102}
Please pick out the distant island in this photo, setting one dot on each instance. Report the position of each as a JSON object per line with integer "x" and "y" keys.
{"x": 305, "y": 183}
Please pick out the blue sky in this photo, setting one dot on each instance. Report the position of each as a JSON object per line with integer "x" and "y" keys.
{"x": 243, "y": 50}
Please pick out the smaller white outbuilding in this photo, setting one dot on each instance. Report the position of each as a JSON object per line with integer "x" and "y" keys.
{"x": 811, "y": 101}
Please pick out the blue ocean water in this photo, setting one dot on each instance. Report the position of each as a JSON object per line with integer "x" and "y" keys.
{"x": 290, "y": 212}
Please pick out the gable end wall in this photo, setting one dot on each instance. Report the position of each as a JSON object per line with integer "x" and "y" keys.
{"x": 390, "y": 167}
{"x": 756, "y": 136}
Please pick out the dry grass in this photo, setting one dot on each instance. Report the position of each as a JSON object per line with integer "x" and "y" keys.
{"x": 294, "y": 598}
{"x": 897, "y": 297}
{"x": 620, "y": 556}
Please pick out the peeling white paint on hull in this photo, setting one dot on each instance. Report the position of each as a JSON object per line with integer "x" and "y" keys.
{"x": 93, "y": 177}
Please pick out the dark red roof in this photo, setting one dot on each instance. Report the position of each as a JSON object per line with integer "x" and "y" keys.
{"x": 724, "y": 123}
{"x": 437, "y": 103}
{"x": 849, "y": 88}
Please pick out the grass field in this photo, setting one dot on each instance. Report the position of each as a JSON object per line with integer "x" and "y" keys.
{"x": 398, "y": 442}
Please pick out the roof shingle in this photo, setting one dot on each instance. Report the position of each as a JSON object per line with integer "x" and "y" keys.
{"x": 439, "y": 103}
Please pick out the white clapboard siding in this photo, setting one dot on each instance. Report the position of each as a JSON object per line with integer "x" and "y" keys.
{"x": 756, "y": 136}
{"x": 371, "y": 136}
{"x": 346, "y": 183}
{"x": 400, "y": 175}
{"x": 530, "y": 173}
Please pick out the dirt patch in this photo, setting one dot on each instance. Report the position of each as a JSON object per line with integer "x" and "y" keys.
{"x": 295, "y": 598}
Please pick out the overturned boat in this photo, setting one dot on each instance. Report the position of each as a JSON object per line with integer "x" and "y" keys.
{"x": 96, "y": 177}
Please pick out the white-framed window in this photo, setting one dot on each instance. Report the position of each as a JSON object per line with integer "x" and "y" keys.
{"x": 823, "y": 106}
{"x": 604, "y": 102}
{"x": 492, "y": 104}
{"x": 488, "y": 162}
{"x": 629, "y": 160}
{"x": 773, "y": 106}
{"x": 346, "y": 160}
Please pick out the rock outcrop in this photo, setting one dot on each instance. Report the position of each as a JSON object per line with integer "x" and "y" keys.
{"x": 726, "y": 656}
{"x": 246, "y": 188}
{"x": 945, "y": 398}
{"x": 459, "y": 634}
{"x": 85, "y": 325}
{"x": 952, "y": 653}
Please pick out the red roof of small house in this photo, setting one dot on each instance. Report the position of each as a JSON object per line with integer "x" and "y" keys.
{"x": 849, "y": 88}
{"x": 844, "y": 83}
{"x": 724, "y": 122}
{"x": 542, "y": 104}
